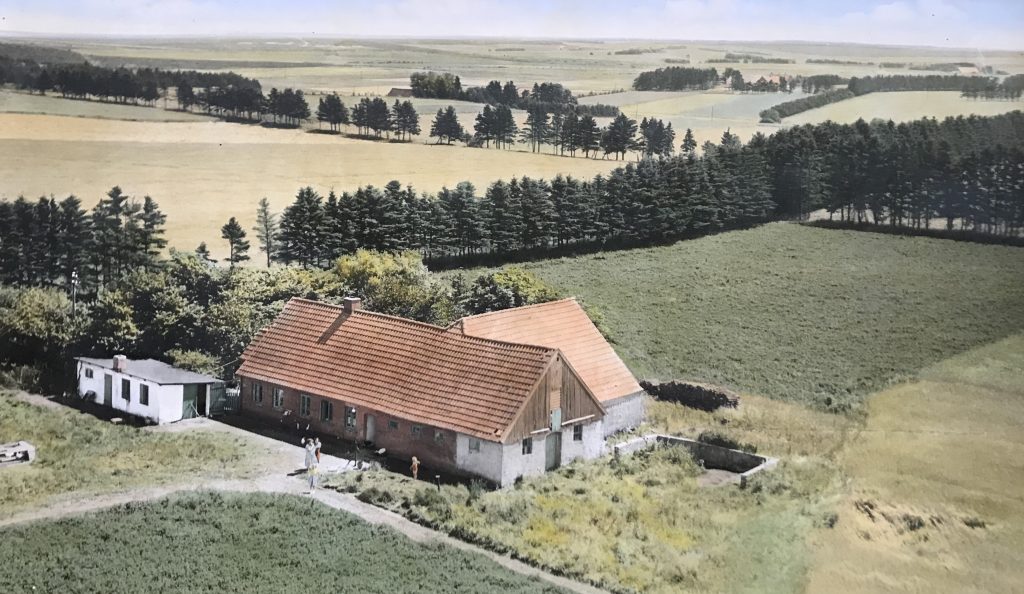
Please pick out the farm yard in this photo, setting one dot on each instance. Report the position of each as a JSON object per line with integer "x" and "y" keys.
{"x": 238, "y": 543}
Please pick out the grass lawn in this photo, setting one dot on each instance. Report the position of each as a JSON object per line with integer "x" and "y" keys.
{"x": 798, "y": 313}
{"x": 210, "y": 542}
{"x": 948, "y": 449}
{"x": 80, "y": 454}
{"x": 642, "y": 524}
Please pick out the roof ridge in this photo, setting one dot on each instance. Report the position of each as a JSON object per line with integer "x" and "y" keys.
{"x": 521, "y": 307}
{"x": 445, "y": 330}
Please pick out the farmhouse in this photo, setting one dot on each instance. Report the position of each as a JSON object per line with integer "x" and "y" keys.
{"x": 149, "y": 389}
{"x": 461, "y": 404}
{"x": 565, "y": 326}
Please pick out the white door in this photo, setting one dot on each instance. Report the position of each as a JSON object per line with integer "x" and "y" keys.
{"x": 371, "y": 427}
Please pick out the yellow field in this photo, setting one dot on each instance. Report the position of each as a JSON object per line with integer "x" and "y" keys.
{"x": 902, "y": 106}
{"x": 19, "y": 102}
{"x": 947, "y": 449}
{"x": 203, "y": 173}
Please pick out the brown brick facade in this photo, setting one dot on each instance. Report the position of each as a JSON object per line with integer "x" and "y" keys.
{"x": 434, "y": 447}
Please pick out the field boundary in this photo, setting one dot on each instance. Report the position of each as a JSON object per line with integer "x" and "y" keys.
{"x": 934, "y": 233}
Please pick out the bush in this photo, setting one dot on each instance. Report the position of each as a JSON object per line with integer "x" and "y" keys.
{"x": 722, "y": 440}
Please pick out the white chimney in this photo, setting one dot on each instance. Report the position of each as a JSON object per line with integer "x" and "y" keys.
{"x": 120, "y": 362}
{"x": 351, "y": 304}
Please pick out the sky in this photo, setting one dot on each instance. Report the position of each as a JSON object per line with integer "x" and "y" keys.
{"x": 983, "y": 24}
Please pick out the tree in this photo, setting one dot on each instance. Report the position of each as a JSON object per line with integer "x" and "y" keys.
{"x": 446, "y": 127}
{"x": 237, "y": 244}
{"x": 689, "y": 146}
{"x": 333, "y": 111}
{"x": 266, "y": 230}
{"x": 589, "y": 135}
{"x": 535, "y": 131}
{"x": 301, "y": 234}
{"x": 407, "y": 121}
{"x": 204, "y": 253}
{"x": 618, "y": 137}
{"x": 512, "y": 287}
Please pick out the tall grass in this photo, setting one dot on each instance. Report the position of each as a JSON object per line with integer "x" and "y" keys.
{"x": 211, "y": 542}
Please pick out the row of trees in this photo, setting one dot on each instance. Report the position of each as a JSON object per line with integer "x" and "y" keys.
{"x": 1009, "y": 89}
{"x": 910, "y": 82}
{"x": 774, "y": 115}
{"x": 818, "y": 83}
{"x": 676, "y": 78}
{"x": 546, "y": 96}
{"x": 123, "y": 85}
{"x": 45, "y": 242}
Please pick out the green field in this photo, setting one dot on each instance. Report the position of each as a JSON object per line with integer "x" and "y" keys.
{"x": 19, "y": 102}
{"x": 209, "y": 542}
{"x": 82, "y": 455}
{"x": 798, "y": 313}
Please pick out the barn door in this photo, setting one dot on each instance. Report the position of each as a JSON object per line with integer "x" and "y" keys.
{"x": 553, "y": 451}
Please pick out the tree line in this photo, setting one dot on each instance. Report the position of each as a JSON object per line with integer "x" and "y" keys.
{"x": 1009, "y": 89}
{"x": 774, "y": 115}
{"x": 909, "y": 82}
{"x": 548, "y": 96}
{"x": 123, "y": 85}
{"x": 676, "y": 78}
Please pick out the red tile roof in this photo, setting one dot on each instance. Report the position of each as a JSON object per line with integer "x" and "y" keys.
{"x": 408, "y": 369}
{"x": 561, "y": 325}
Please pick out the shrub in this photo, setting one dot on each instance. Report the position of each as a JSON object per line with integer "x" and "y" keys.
{"x": 722, "y": 440}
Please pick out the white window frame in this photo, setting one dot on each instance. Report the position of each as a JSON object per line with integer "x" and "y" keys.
{"x": 257, "y": 393}
{"x": 527, "y": 446}
{"x": 278, "y": 399}
{"x": 328, "y": 407}
{"x": 577, "y": 432}
{"x": 474, "y": 445}
{"x": 305, "y": 404}
{"x": 350, "y": 418}
{"x": 89, "y": 372}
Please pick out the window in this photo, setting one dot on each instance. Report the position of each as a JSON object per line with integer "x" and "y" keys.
{"x": 257, "y": 392}
{"x": 278, "y": 397}
{"x": 326, "y": 411}
{"x": 416, "y": 431}
{"x": 438, "y": 436}
{"x": 88, "y": 372}
{"x": 304, "y": 400}
{"x": 527, "y": 446}
{"x": 474, "y": 445}
{"x": 350, "y": 418}
{"x": 144, "y": 394}
{"x": 577, "y": 432}
{"x": 126, "y": 389}
{"x": 393, "y": 425}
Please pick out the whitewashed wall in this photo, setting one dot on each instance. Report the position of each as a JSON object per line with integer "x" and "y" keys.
{"x": 165, "y": 402}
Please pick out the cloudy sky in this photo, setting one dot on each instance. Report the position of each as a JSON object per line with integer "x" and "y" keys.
{"x": 960, "y": 23}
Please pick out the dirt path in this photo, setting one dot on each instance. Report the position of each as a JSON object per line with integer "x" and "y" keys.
{"x": 282, "y": 479}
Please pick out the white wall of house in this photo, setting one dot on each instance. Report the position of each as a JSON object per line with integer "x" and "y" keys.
{"x": 165, "y": 402}
{"x": 590, "y": 447}
{"x": 486, "y": 463}
{"x": 624, "y": 413}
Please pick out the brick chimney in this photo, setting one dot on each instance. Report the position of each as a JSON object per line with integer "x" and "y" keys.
{"x": 351, "y": 304}
{"x": 120, "y": 362}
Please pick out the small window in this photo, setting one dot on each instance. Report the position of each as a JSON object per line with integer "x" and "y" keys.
{"x": 304, "y": 402}
{"x": 474, "y": 445}
{"x": 577, "y": 432}
{"x": 257, "y": 392}
{"x": 527, "y": 446}
{"x": 393, "y": 425}
{"x": 278, "y": 397}
{"x": 438, "y": 436}
{"x": 144, "y": 394}
{"x": 88, "y": 372}
{"x": 126, "y": 389}
{"x": 350, "y": 418}
{"x": 417, "y": 431}
{"x": 326, "y": 411}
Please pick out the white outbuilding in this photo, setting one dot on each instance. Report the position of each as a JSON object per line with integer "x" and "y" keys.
{"x": 149, "y": 389}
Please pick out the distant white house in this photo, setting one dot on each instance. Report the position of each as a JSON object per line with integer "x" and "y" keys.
{"x": 149, "y": 389}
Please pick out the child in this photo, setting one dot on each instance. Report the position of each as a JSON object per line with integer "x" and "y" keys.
{"x": 415, "y": 467}
{"x": 316, "y": 444}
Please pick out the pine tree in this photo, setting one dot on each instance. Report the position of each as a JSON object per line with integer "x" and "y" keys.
{"x": 266, "y": 230}
{"x": 689, "y": 146}
{"x": 502, "y": 215}
{"x": 301, "y": 232}
{"x": 446, "y": 126}
{"x": 589, "y": 135}
{"x": 238, "y": 246}
{"x": 204, "y": 253}
{"x": 535, "y": 131}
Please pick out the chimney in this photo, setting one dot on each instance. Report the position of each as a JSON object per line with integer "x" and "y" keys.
{"x": 120, "y": 362}
{"x": 351, "y": 304}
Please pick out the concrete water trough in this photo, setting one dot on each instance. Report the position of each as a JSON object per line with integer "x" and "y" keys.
{"x": 724, "y": 465}
{"x": 16, "y": 453}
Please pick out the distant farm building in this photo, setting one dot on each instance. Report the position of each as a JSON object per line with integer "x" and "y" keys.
{"x": 149, "y": 389}
{"x": 399, "y": 92}
{"x": 563, "y": 325}
{"x": 464, "y": 404}
{"x": 968, "y": 71}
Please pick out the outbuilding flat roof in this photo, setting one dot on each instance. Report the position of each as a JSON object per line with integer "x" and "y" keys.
{"x": 415, "y": 371}
{"x": 154, "y": 371}
{"x": 561, "y": 325}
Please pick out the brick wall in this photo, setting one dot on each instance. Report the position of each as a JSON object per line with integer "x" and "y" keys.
{"x": 434, "y": 447}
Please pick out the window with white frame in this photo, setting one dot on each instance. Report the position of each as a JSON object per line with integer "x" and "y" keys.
{"x": 577, "y": 432}
{"x": 527, "y": 446}
{"x": 392, "y": 425}
{"x": 474, "y": 445}
{"x": 350, "y": 418}
{"x": 126, "y": 389}
{"x": 257, "y": 392}
{"x": 326, "y": 411}
{"x": 144, "y": 394}
{"x": 278, "y": 397}
{"x": 304, "y": 402}
{"x": 88, "y": 372}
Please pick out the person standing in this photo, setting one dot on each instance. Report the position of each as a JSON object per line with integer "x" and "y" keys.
{"x": 313, "y": 473}
{"x": 316, "y": 445}
{"x": 310, "y": 452}
{"x": 415, "y": 468}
